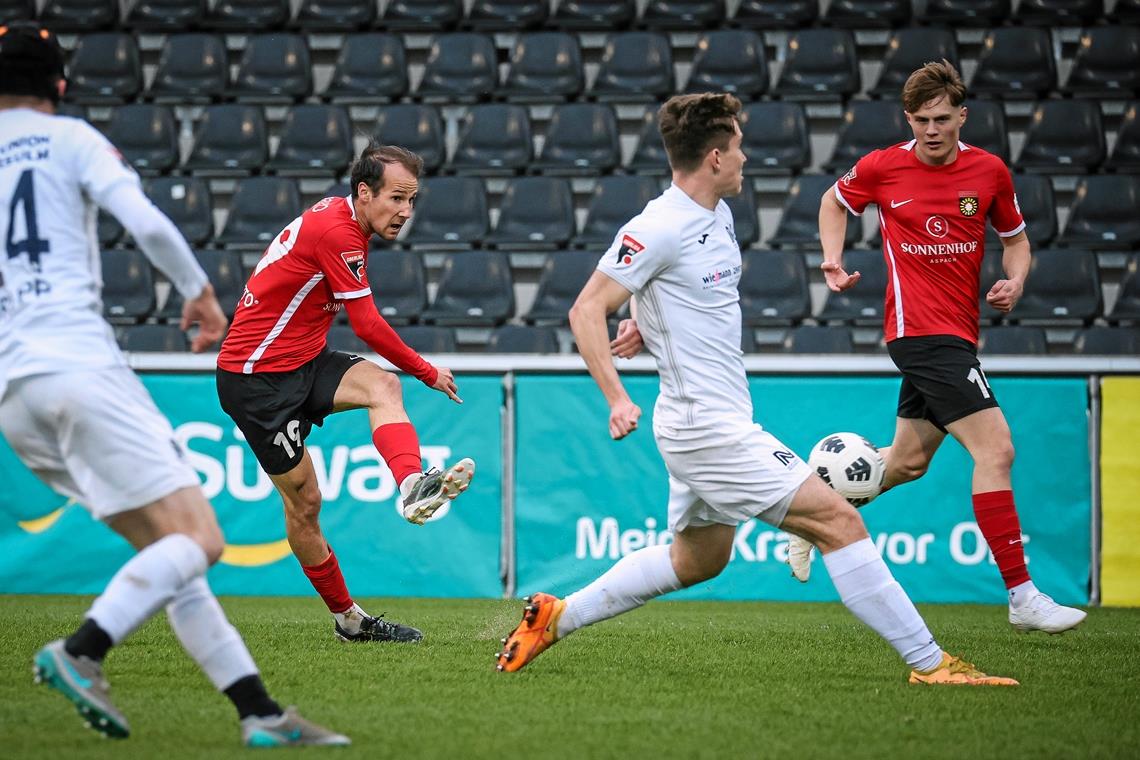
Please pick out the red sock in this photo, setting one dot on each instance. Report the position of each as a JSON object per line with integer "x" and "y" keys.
{"x": 398, "y": 443}
{"x": 329, "y": 583}
{"x": 997, "y": 519}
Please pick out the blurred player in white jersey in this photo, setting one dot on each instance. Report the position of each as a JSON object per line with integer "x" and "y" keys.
{"x": 680, "y": 257}
{"x": 78, "y": 417}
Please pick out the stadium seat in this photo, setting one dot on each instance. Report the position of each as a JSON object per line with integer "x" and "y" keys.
{"x": 1015, "y": 62}
{"x": 523, "y": 339}
{"x": 79, "y": 15}
{"x": 956, "y": 13}
{"x": 649, "y": 156}
{"x": 107, "y": 229}
{"x": 315, "y": 139}
{"x": 186, "y": 200}
{"x": 819, "y": 64}
{"x": 506, "y": 15}
{"x": 335, "y": 15}
{"x": 1059, "y": 12}
{"x": 1064, "y": 136}
{"x": 1107, "y": 63}
{"x": 259, "y": 209}
{"x": 1103, "y": 214}
{"x": 635, "y": 66}
{"x": 274, "y": 68}
{"x": 683, "y": 14}
{"x": 594, "y": 15}
{"x": 1062, "y": 286}
{"x": 461, "y": 67}
{"x": 168, "y": 338}
{"x": 1125, "y": 12}
{"x": 545, "y": 67}
{"x": 16, "y": 10}
{"x": 745, "y": 222}
{"x": 535, "y": 211}
{"x": 991, "y": 272}
{"x": 399, "y": 284}
{"x": 369, "y": 66}
{"x": 128, "y": 286}
{"x": 985, "y": 127}
{"x": 494, "y": 138}
{"x": 1038, "y": 207}
{"x": 104, "y": 68}
{"x": 450, "y": 212}
{"x": 776, "y": 14}
{"x": 226, "y": 274}
{"x": 909, "y": 49}
{"x": 165, "y": 15}
{"x": 563, "y": 276}
{"x": 729, "y": 60}
{"x": 1012, "y": 339}
{"x": 773, "y": 288}
{"x": 422, "y": 15}
{"x": 581, "y": 139}
{"x": 428, "y": 339}
{"x": 341, "y": 337}
{"x": 414, "y": 126}
{"x": 776, "y": 138}
{"x": 867, "y": 125}
{"x": 614, "y": 202}
{"x": 475, "y": 289}
{"x": 146, "y": 136}
{"x": 799, "y": 220}
{"x": 230, "y": 140}
{"x": 1126, "y": 153}
{"x": 1127, "y": 306}
{"x": 863, "y": 14}
{"x": 192, "y": 67}
{"x": 248, "y": 15}
{"x": 819, "y": 339}
{"x": 862, "y": 304}
{"x": 1108, "y": 341}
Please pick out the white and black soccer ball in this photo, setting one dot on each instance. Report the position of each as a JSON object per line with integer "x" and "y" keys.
{"x": 851, "y": 465}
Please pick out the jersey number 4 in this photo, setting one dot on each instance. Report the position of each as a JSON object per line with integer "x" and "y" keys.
{"x": 24, "y": 202}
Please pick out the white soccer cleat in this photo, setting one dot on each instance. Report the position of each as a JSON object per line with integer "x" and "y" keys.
{"x": 433, "y": 489}
{"x": 1041, "y": 613}
{"x": 799, "y": 557}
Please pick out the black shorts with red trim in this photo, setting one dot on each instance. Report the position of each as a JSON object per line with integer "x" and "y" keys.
{"x": 942, "y": 379}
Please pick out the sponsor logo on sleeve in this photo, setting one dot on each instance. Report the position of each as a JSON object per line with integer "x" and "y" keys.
{"x": 630, "y": 247}
{"x": 849, "y": 176}
{"x": 354, "y": 260}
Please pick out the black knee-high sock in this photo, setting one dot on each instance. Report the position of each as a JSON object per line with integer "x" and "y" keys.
{"x": 250, "y": 698}
{"x": 89, "y": 640}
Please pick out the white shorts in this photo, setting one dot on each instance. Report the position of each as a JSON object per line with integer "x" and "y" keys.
{"x": 728, "y": 475}
{"x": 95, "y": 436}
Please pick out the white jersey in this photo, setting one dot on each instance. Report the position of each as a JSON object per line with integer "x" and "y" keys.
{"x": 54, "y": 170}
{"x": 682, "y": 262}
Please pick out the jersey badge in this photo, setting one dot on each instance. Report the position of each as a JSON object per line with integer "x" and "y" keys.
{"x": 849, "y": 176}
{"x": 629, "y": 248}
{"x": 354, "y": 260}
{"x": 968, "y": 202}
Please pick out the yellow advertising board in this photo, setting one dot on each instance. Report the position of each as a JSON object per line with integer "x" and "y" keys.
{"x": 1120, "y": 484}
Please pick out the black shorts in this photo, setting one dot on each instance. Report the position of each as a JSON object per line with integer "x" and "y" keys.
{"x": 942, "y": 379}
{"x": 276, "y": 410}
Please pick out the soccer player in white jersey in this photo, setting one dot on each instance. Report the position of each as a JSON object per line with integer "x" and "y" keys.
{"x": 78, "y": 417}
{"x": 680, "y": 258}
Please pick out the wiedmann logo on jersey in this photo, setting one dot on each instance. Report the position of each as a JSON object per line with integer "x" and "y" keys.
{"x": 354, "y": 260}
{"x": 629, "y": 248}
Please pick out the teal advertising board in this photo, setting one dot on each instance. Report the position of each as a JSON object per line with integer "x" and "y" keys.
{"x": 583, "y": 500}
{"x": 48, "y": 546}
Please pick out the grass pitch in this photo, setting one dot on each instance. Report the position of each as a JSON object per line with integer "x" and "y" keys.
{"x": 675, "y": 679}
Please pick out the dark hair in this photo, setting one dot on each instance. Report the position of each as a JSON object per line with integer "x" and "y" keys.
{"x": 31, "y": 61}
{"x": 692, "y": 125}
{"x": 369, "y": 168}
{"x": 933, "y": 81}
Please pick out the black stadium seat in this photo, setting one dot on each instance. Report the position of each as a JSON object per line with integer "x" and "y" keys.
{"x": 370, "y": 66}
{"x": 1012, "y": 339}
{"x": 745, "y": 221}
{"x": 274, "y": 68}
{"x": 985, "y": 127}
{"x": 1107, "y": 64}
{"x": 399, "y": 284}
{"x": 955, "y": 13}
{"x": 581, "y": 139}
{"x": 1064, "y": 136}
{"x": 248, "y": 15}
{"x": 867, "y": 125}
{"x": 545, "y": 67}
{"x": 107, "y": 229}
{"x": 799, "y": 220}
{"x": 415, "y": 126}
{"x": 909, "y": 49}
{"x": 230, "y": 139}
{"x": 507, "y": 15}
{"x": 475, "y": 289}
{"x": 819, "y": 64}
{"x": 523, "y": 339}
{"x": 259, "y": 209}
{"x": 341, "y": 337}
{"x": 535, "y": 212}
{"x": 614, "y": 202}
{"x": 422, "y": 15}
{"x": 773, "y": 288}
{"x": 450, "y": 212}
{"x": 1127, "y": 306}
{"x": 192, "y": 67}
{"x": 1015, "y": 62}
{"x": 776, "y": 14}
{"x": 683, "y": 14}
{"x": 105, "y": 68}
{"x": 1109, "y": 341}
{"x": 1103, "y": 214}
{"x": 635, "y": 66}
{"x": 128, "y": 286}
{"x": 563, "y": 276}
{"x": 1038, "y": 207}
{"x": 186, "y": 200}
{"x": 335, "y": 15}
{"x": 1062, "y": 286}
{"x": 315, "y": 139}
{"x": 649, "y": 156}
{"x": 1125, "y": 12}
{"x": 428, "y": 339}
{"x": 1126, "y": 153}
{"x": 146, "y": 136}
{"x": 862, "y": 304}
{"x": 169, "y": 338}
{"x": 79, "y": 15}
{"x": 819, "y": 339}
{"x": 1059, "y": 12}
{"x": 729, "y": 60}
{"x": 594, "y": 15}
{"x": 460, "y": 67}
{"x": 776, "y": 139}
{"x": 165, "y": 15}
{"x": 862, "y": 14}
{"x": 494, "y": 138}
{"x": 17, "y": 10}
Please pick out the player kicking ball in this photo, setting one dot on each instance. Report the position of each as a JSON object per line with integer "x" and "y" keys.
{"x": 724, "y": 468}
{"x": 934, "y": 194}
{"x": 277, "y": 377}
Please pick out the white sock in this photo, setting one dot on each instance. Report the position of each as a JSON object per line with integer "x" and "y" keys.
{"x": 869, "y": 590}
{"x": 207, "y": 636}
{"x": 1021, "y": 593}
{"x": 351, "y": 618}
{"x": 144, "y": 585}
{"x": 633, "y": 581}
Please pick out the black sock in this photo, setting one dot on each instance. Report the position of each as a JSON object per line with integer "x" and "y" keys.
{"x": 89, "y": 641}
{"x": 249, "y": 697}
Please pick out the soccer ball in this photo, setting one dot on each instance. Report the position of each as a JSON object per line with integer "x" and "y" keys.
{"x": 851, "y": 465}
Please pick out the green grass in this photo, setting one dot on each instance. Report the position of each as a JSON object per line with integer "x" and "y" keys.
{"x": 675, "y": 679}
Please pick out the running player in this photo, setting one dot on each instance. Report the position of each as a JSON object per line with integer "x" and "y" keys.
{"x": 78, "y": 417}
{"x": 934, "y": 194}
{"x": 680, "y": 257}
{"x": 277, "y": 377}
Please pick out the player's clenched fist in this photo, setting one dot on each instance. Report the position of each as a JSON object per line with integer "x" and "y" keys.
{"x": 623, "y": 419}
{"x": 1004, "y": 295}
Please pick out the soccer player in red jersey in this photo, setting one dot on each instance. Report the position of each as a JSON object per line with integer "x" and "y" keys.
{"x": 934, "y": 194}
{"x": 277, "y": 377}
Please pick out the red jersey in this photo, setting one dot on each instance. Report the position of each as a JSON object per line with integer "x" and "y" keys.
{"x": 318, "y": 261}
{"x": 933, "y": 221}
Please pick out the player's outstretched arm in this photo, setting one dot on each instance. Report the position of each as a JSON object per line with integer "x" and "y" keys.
{"x": 832, "y": 231}
{"x": 1015, "y": 260}
{"x": 599, "y": 298}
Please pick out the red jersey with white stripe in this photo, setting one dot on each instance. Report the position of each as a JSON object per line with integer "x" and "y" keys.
{"x": 933, "y": 221}
{"x": 318, "y": 261}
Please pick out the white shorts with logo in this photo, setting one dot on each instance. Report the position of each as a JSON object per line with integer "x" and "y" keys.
{"x": 728, "y": 475}
{"x": 95, "y": 436}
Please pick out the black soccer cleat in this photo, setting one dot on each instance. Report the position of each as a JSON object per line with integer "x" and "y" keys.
{"x": 379, "y": 629}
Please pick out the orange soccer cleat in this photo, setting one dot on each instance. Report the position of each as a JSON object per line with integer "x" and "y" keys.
{"x": 957, "y": 672}
{"x": 534, "y": 635}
